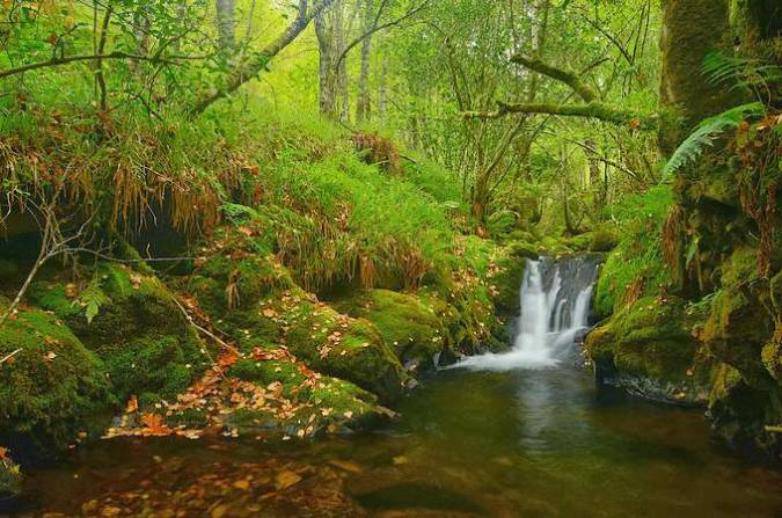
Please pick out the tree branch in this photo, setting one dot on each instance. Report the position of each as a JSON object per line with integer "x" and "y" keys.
{"x": 563, "y": 76}
{"x": 72, "y": 59}
{"x": 594, "y": 110}
{"x": 249, "y": 69}
{"x": 377, "y": 28}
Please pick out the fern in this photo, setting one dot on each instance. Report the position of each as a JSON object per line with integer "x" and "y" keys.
{"x": 754, "y": 75}
{"x": 92, "y": 298}
{"x": 707, "y": 133}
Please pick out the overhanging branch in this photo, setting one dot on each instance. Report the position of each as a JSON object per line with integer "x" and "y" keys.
{"x": 563, "y": 76}
{"x": 593, "y": 110}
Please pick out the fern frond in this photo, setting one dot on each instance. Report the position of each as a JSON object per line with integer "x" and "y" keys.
{"x": 739, "y": 72}
{"x": 707, "y": 133}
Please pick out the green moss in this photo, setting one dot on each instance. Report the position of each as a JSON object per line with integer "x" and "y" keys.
{"x": 323, "y": 404}
{"x": 406, "y": 323}
{"x": 652, "y": 341}
{"x": 603, "y": 240}
{"x": 270, "y": 371}
{"x": 52, "y": 385}
{"x": 152, "y": 368}
{"x": 132, "y": 322}
{"x": 272, "y": 309}
{"x": 347, "y": 348}
{"x": 636, "y": 266}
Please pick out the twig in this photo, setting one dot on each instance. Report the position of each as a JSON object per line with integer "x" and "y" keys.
{"x": 8, "y": 357}
{"x": 222, "y": 343}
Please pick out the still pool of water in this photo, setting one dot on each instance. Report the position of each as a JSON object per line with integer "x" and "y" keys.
{"x": 518, "y": 443}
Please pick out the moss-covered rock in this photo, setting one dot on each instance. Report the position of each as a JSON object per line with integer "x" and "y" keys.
{"x": 50, "y": 386}
{"x": 253, "y": 299}
{"x": 648, "y": 348}
{"x": 132, "y": 321}
{"x": 335, "y": 344}
{"x": 603, "y": 240}
{"x": 270, "y": 394}
{"x": 411, "y": 327}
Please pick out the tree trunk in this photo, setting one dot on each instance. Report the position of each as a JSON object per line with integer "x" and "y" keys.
{"x": 596, "y": 183}
{"x": 329, "y": 28}
{"x": 691, "y": 30}
{"x": 364, "y": 102}
{"x": 226, "y": 24}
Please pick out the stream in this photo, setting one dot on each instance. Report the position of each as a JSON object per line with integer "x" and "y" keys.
{"x": 525, "y": 433}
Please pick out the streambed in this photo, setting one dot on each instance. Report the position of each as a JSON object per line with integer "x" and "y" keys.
{"x": 524, "y": 442}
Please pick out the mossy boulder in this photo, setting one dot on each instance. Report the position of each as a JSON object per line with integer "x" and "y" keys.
{"x": 133, "y": 322}
{"x": 50, "y": 387}
{"x": 337, "y": 345}
{"x": 270, "y": 394}
{"x": 739, "y": 325}
{"x": 413, "y": 328}
{"x": 603, "y": 240}
{"x": 252, "y": 297}
{"x": 648, "y": 348}
{"x": 327, "y": 405}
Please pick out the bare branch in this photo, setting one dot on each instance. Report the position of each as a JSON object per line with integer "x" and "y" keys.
{"x": 91, "y": 57}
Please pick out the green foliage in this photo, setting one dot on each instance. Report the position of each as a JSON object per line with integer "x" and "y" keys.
{"x": 737, "y": 72}
{"x": 638, "y": 256}
{"x": 708, "y": 132}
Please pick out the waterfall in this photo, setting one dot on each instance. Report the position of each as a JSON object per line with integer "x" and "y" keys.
{"x": 555, "y": 300}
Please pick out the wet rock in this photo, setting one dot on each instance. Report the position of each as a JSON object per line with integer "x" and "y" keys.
{"x": 648, "y": 349}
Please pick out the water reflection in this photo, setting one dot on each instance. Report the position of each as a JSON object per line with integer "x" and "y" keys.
{"x": 539, "y": 443}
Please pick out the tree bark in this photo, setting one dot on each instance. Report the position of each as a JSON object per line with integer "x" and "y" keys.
{"x": 329, "y": 28}
{"x": 691, "y": 30}
{"x": 364, "y": 102}
{"x": 226, "y": 24}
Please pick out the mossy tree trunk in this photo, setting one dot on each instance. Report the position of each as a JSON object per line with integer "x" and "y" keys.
{"x": 691, "y": 30}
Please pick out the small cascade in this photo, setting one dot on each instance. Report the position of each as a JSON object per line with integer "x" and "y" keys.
{"x": 555, "y": 301}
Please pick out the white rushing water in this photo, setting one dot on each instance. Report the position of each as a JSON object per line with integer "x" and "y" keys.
{"x": 555, "y": 300}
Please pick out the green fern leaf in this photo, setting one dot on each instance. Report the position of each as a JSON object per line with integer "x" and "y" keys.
{"x": 707, "y": 133}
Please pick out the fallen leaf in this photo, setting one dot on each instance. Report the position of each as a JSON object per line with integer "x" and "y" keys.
{"x": 346, "y": 465}
{"x": 286, "y": 479}
{"x": 132, "y": 406}
{"x": 244, "y": 485}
